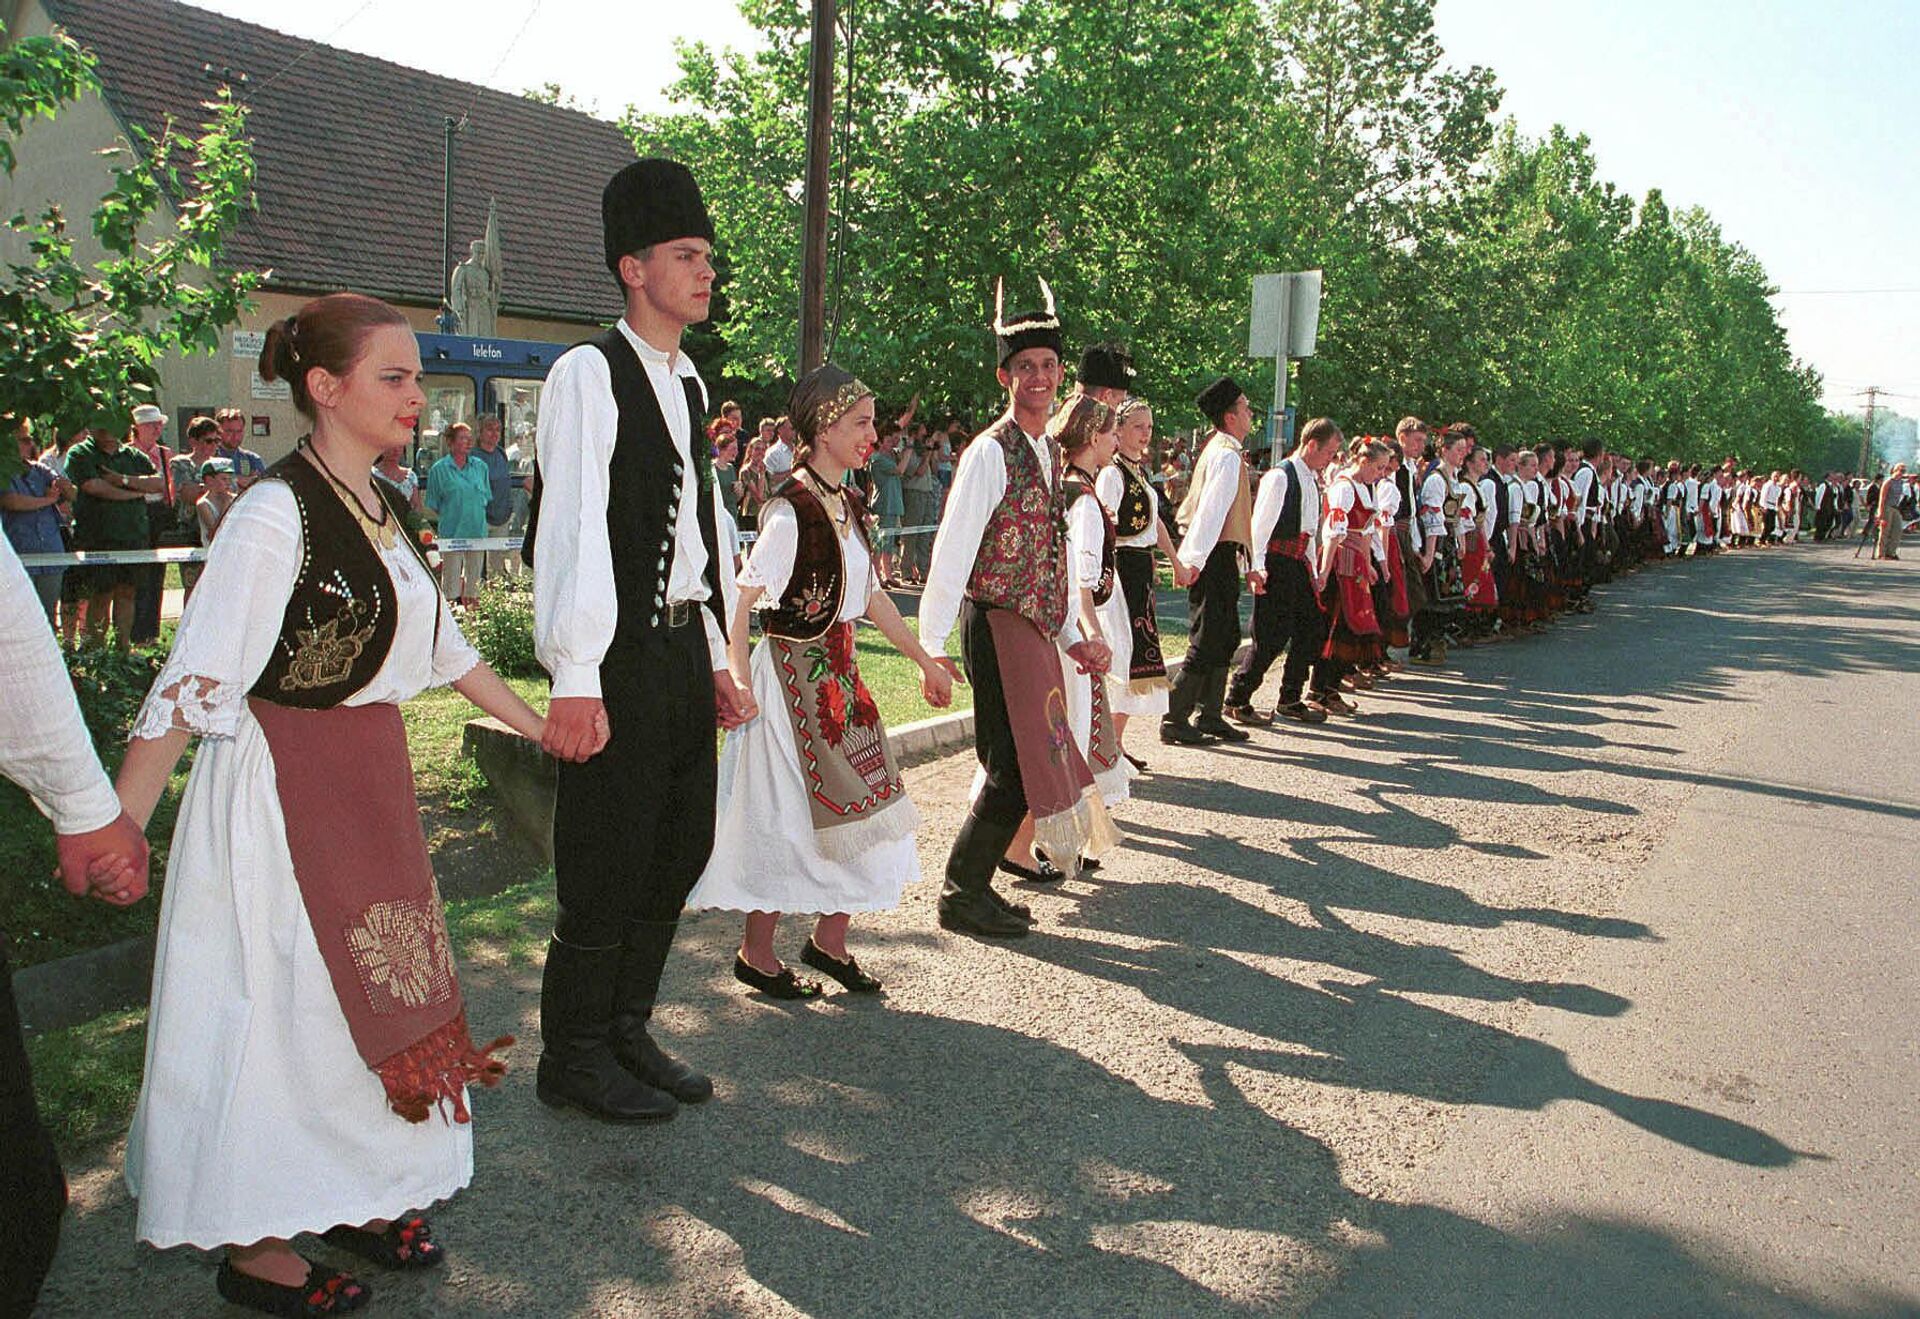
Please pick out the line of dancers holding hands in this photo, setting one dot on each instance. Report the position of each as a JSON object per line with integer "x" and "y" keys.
{"x": 309, "y": 1058}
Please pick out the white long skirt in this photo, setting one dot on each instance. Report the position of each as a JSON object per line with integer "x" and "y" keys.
{"x": 765, "y": 857}
{"x": 257, "y": 1116}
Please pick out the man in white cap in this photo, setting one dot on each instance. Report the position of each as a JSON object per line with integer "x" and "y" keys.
{"x": 149, "y": 423}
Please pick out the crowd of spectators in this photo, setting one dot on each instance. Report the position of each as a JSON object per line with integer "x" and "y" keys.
{"x": 108, "y": 489}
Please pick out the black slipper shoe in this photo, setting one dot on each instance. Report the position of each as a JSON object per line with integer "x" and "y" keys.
{"x": 1044, "y": 872}
{"x": 786, "y": 985}
{"x": 847, "y": 972}
{"x": 1136, "y": 762}
{"x": 326, "y": 1291}
{"x": 406, "y": 1244}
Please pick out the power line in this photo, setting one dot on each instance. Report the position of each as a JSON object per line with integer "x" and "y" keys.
{"x": 500, "y": 63}
{"x": 324, "y": 43}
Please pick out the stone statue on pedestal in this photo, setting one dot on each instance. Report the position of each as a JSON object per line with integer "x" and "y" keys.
{"x": 475, "y": 292}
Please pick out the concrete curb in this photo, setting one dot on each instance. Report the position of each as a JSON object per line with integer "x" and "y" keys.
{"x": 71, "y": 990}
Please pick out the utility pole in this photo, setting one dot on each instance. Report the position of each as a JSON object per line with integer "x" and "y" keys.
{"x": 813, "y": 238}
{"x": 446, "y": 322}
{"x": 1866, "y": 431}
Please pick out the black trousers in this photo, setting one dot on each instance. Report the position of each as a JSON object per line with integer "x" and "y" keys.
{"x": 33, "y": 1191}
{"x": 1287, "y": 617}
{"x": 1822, "y": 523}
{"x": 1003, "y": 800}
{"x": 633, "y": 827}
{"x": 1213, "y": 604}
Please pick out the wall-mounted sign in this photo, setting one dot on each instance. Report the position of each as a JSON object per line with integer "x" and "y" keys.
{"x": 248, "y": 343}
{"x": 270, "y": 389}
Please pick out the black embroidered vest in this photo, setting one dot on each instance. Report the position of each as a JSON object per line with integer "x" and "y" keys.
{"x": 643, "y": 494}
{"x": 341, "y": 617}
{"x": 817, "y": 588}
{"x": 1076, "y": 486}
{"x": 1135, "y": 513}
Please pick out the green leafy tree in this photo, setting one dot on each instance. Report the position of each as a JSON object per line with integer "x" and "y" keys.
{"x": 1148, "y": 160}
{"x": 80, "y": 341}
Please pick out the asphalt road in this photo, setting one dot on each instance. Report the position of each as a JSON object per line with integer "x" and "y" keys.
{"x": 1576, "y": 979}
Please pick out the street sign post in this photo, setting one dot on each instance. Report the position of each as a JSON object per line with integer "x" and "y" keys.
{"x": 1285, "y": 325}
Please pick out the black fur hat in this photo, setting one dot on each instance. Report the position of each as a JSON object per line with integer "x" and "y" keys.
{"x": 651, "y": 201}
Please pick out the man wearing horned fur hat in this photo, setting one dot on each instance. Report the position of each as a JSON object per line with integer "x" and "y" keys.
{"x": 999, "y": 572}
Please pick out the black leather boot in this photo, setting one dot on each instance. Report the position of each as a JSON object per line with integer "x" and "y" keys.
{"x": 968, "y": 903}
{"x": 645, "y": 956}
{"x": 577, "y": 1067}
{"x": 1213, "y": 697}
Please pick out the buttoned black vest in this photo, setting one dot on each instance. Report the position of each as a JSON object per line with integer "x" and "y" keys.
{"x": 643, "y": 494}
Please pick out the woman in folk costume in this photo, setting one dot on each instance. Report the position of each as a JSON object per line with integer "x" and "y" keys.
{"x": 307, "y": 1051}
{"x": 1084, "y": 430}
{"x": 1391, "y": 604}
{"x": 1476, "y": 558}
{"x": 813, "y": 815}
{"x": 1137, "y": 682}
{"x": 1347, "y": 564}
{"x": 1529, "y": 538}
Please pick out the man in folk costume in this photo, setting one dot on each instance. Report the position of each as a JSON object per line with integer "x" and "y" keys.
{"x": 1416, "y": 552}
{"x": 999, "y": 570}
{"x": 1286, "y": 585}
{"x": 631, "y": 593}
{"x": 1218, "y": 517}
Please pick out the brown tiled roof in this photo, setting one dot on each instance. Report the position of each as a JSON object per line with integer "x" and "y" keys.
{"x": 348, "y": 153}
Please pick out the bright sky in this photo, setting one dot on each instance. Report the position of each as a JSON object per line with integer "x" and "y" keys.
{"x": 1790, "y": 120}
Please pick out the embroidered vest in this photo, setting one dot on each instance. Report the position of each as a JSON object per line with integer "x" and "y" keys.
{"x": 1238, "y": 528}
{"x": 1022, "y": 561}
{"x": 1078, "y": 487}
{"x": 818, "y": 586}
{"x": 340, "y": 619}
{"x": 1135, "y": 514}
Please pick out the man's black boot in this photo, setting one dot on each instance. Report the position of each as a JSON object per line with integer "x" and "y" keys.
{"x": 645, "y": 947}
{"x": 967, "y": 901}
{"x": 577, "y": 1067}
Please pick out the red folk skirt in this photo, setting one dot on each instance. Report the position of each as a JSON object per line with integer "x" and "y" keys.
{"x": 1476, "y": 572}
{"x": 1353, "y": 631}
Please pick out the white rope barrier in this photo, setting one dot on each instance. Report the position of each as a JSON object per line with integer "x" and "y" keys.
{"x": 195, "y": 554}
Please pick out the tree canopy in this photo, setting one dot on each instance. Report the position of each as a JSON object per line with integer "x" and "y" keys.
{"x": 1148, "y": 160}
{"x": 80, "y": 340}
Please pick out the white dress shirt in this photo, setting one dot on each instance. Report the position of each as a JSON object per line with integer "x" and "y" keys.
{"x": 575, "y": 607}
{"x": 1272, "y": 501}
{"x": 44, "y": 745}
{"x": 1210, "y": 517}
{"x": 979, "y": 484}
{"x": 1489, "y": 490}
{"x": 1433, "y": 503}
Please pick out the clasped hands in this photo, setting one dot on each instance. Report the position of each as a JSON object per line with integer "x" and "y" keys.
{"x": 109, "y": 863}
{"x": 576, "y": 728}
{"x": 1091, "y": 656}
